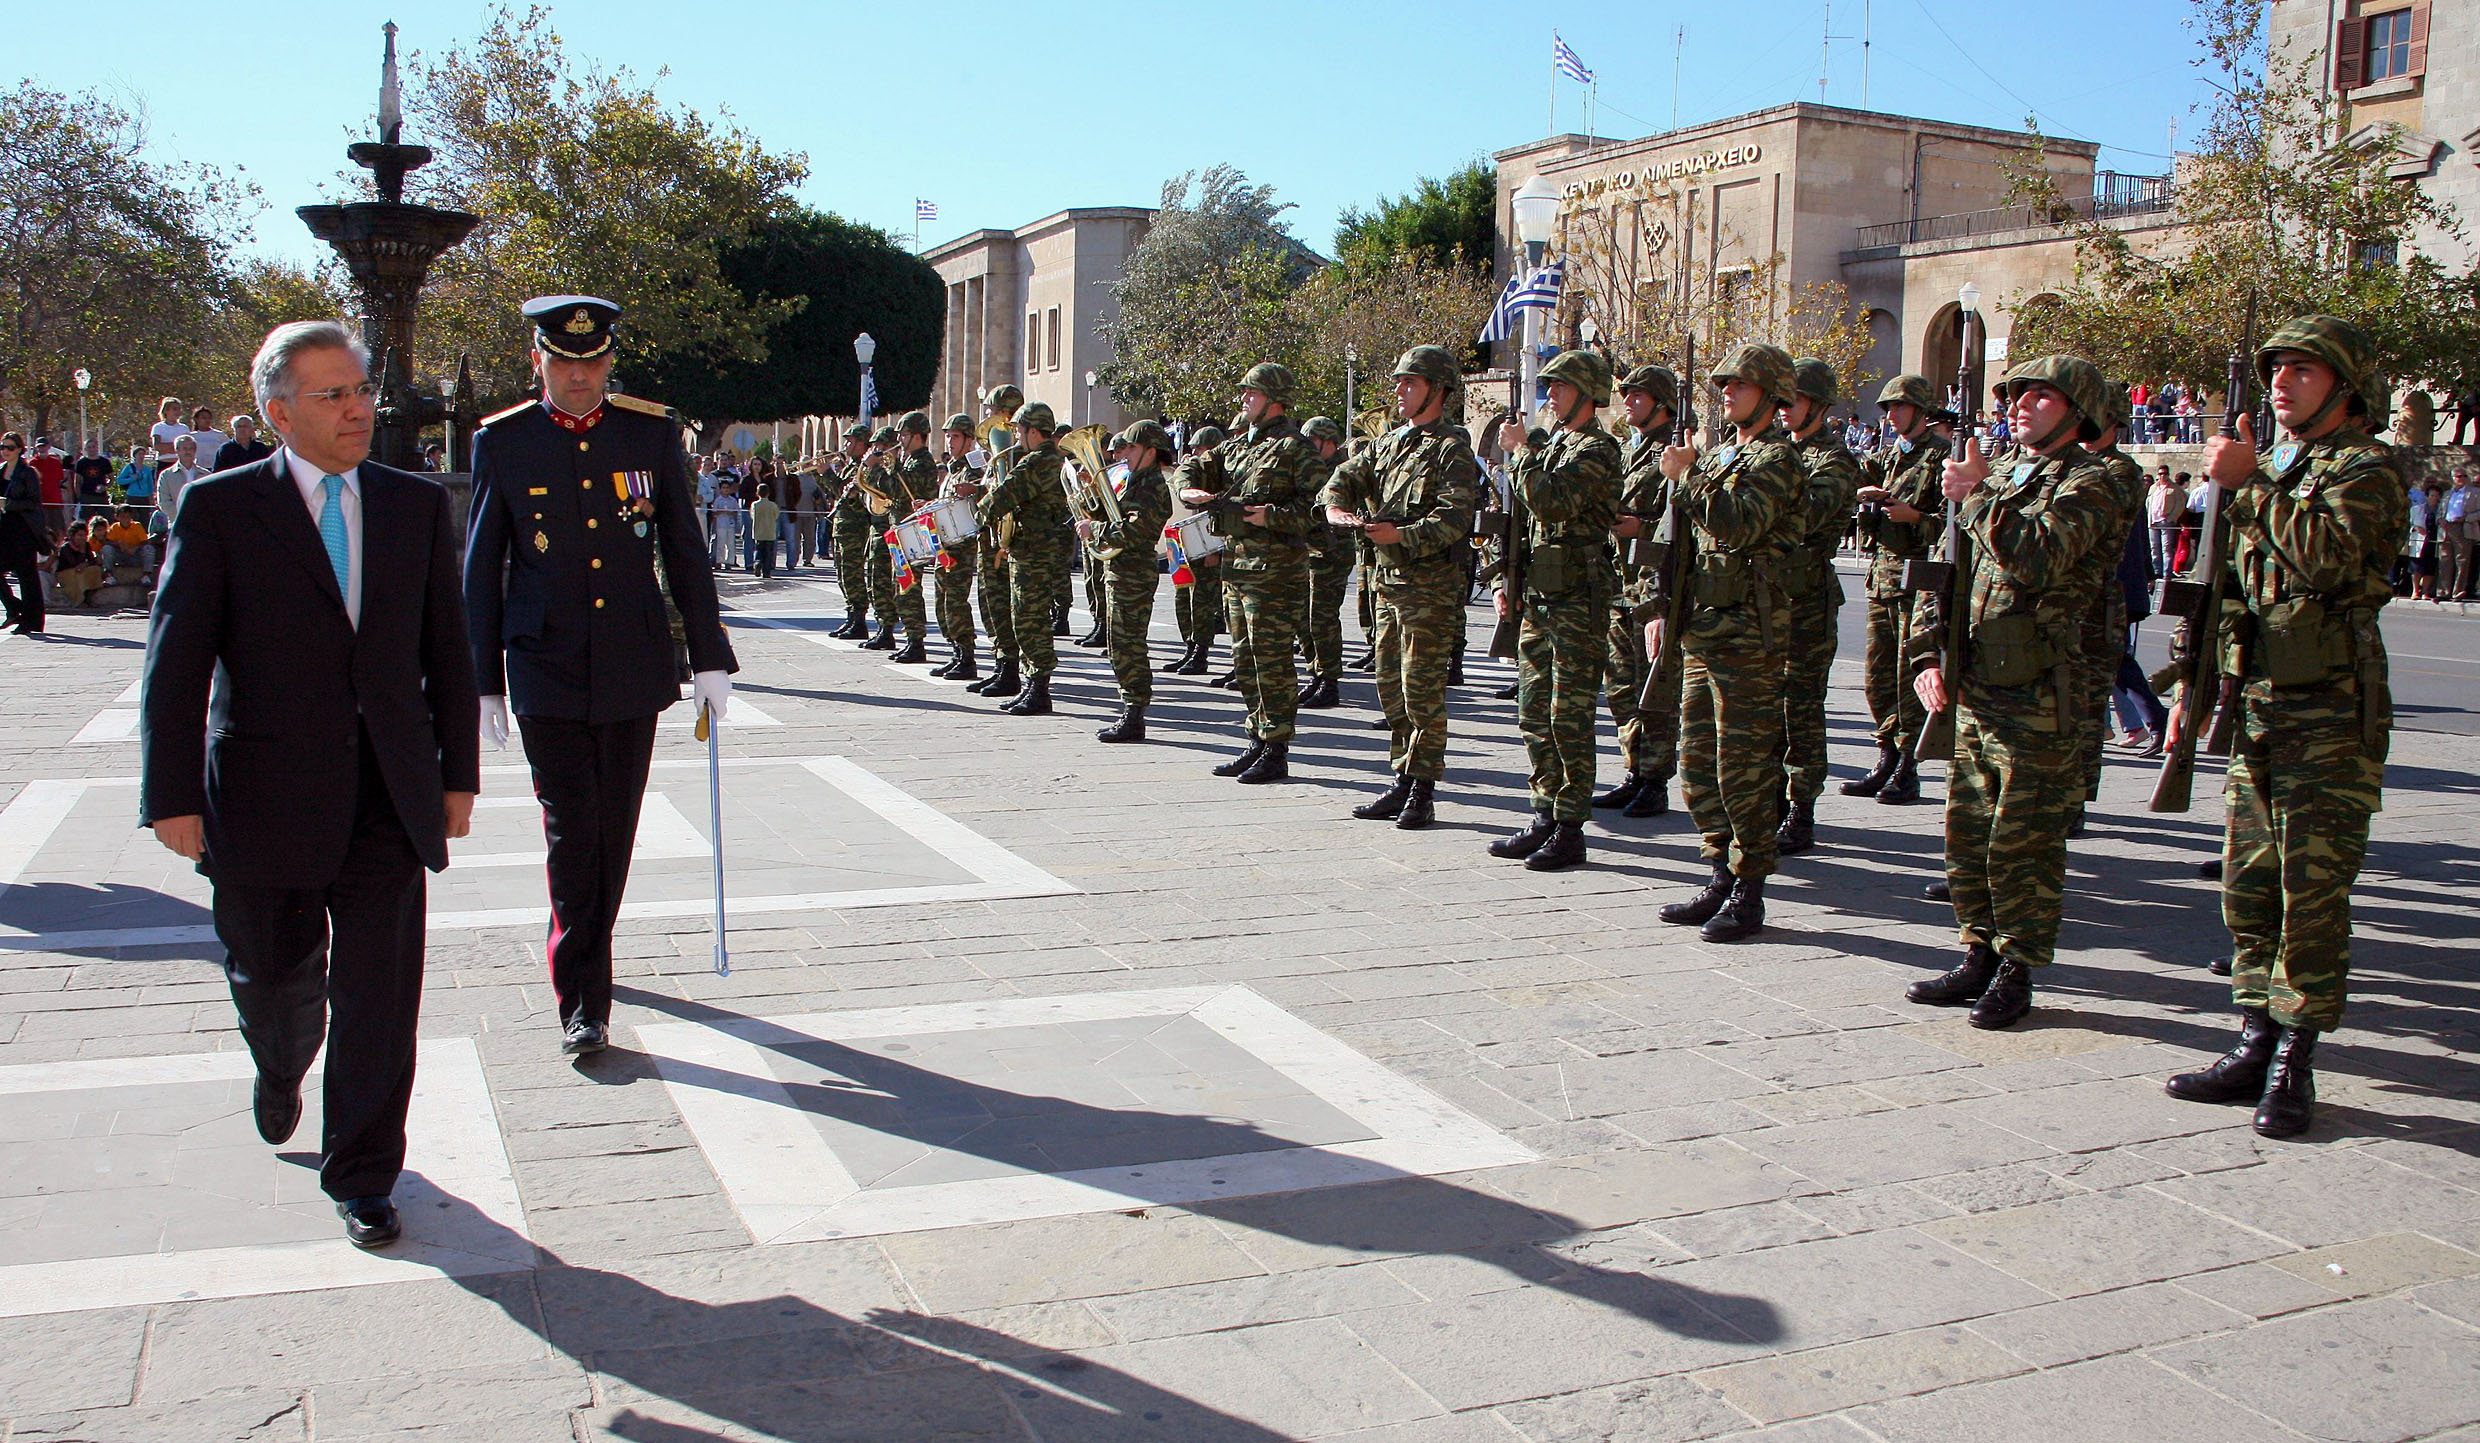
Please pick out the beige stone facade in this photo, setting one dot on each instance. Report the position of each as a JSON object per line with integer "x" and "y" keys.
{"x": 1028, "y": 305}
{"x": 2413, "y": 64}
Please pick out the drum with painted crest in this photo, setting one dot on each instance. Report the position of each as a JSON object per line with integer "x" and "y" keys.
{"x": 952, "y": 518}
{"x": 916, "y": 540}
{"x": 1195, "y": 537}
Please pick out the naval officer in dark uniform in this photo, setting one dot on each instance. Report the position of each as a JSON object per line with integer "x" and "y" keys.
{"x": 578, "y": 497}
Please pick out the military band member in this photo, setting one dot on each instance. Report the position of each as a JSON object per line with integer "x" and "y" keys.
{"x": 578, "y": 498}
{"x": 890, "y": 478}
{"x": 848, "y": 530}
{"x": 2105, "y": 625}
{"x": 1097, "y": 591}
{"x": 959, "y": 558}
{"x": 1742, "y": 505}
{"x": 2013, "y": 784}
{"x": 1410, "y": 498}
{"x": 1130, "y": 546}
{"x": 1251, "y": 485}
{"x": 1898, "y": 520}
{"x": 1025, "y": 513}
{"x": 1567, "y": 496}
{"x": 2315, "y": 527}
{"x": 991, "y": 576}
{"x": 1648, "y": 737}
{"x": 1198, "y": 606}
{"x": 1330, "y": 573}
{"x": 1816, "y": 593}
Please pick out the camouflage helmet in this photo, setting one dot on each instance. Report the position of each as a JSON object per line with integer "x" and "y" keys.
{"x": 883, "y": 436}
{"x": 1659, "y": 382}
{"x": 2073, "y": 377}
{"x": 1912, "y": 389}
{"x": 1815, "y": 379}
{"x": 1037, "y": 415}
{"x": 1434, "y": 364}
{"x": 914, "y": 423}
{"x": 959, "y": 422}
{"x": 1322, "y": 428}
{"x": 2337, "y": 343}
{"x": 1206, "y": 437}
{"x": 2121, "y": 409}
{"x": 857, "y": 432}
{"x": 1147, "y": 433}
{"x": 1272, "y": 379}
{"x": 1003, "y": 397}
{"x": 1768, "y": 368}
{"x": 1584, "y": 370}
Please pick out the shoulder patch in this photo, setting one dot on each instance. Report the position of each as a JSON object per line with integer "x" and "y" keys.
{"x": 638, "y": 404}
{"x": 504, "y": 415}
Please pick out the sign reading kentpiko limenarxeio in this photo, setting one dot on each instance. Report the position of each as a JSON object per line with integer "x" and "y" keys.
{"x": 1655, "y": 172}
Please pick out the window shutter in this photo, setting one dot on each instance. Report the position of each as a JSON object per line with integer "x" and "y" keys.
{"x": 2350, "y": 37}
{"x": 2419, "y": 39}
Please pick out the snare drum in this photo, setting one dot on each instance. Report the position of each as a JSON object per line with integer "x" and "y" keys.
{"x": 952, "y": 518}
{"x": 916, "y": 540}
{"x": 1195, "y": 537}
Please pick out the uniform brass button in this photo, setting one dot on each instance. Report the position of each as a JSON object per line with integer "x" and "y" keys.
{"x": 591, "y": 523}
{"x": 581, "y": 445}
{"x": 584, "y": 485}
{"x": 538, "y": 516}
{"x": 598, "y": 603}
{"x": 598, "y": 563}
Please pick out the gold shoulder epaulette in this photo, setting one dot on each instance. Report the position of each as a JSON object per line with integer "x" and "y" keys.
{"x": 504, "y": 415}
{"x": 641, "y": 406}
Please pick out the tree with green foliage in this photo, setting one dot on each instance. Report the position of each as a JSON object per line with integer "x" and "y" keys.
{"x": 1450, "y": 222}
{"x": 1204, "y": 296}
{"x": 1378, "y": 309}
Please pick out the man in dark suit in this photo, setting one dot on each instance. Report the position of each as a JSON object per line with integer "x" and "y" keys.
{"x": 311, "y": 740}
{"x": 576, "y": 498}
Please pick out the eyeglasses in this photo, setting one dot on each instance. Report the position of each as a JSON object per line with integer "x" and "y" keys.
{"x": 334, "y": 395}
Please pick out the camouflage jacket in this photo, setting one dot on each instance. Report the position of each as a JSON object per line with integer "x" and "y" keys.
{"x": 917, "y": 480}
{"x": 850, "y": 500}
{"x": 2313, "y": 539}
{"x": 1568, "y": 491}
{"x": 1329, "y": 544}
{"x": 1742, "y": 505}
{"x": 1425, "y": 480}
{"x": 1030, "y": 494}
{"x": 2104, "y": 622}
{"x": 1643, "y": 493}
{"x": 1823, "y": 513}
{"x": 1262, "y": 466}
{"x": 1144, "y": 510}
{"x": 960, "y": 474}
{"x": 1911, "y": 469}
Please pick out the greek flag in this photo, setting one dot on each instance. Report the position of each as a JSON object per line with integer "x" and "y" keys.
{"x": 1565, "y": 62}
{"x": 1533, "y": 290}
{"x": 869, "y": 393}
{"x": 1502, "y": 322}
{"x": 1541, "y": 288}
{"x": 925, "y": 210}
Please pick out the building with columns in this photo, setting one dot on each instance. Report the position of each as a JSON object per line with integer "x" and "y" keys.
{"x": 1028, "y": 306}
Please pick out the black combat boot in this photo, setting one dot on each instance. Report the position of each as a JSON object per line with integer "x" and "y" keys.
{"x": 2290, "y": 1086}
{"x": 1274, "y": 764}
{"x": 1005, "y": 666}
{"x": 1505, "y": 693}
{"x": 1198, "y": 659}
{"x": 2210, "y": 871}
{"x": 1037, "y": 698}
{"x": 1798, "y": 832}
{"x": 1094, "y": 636}
{"x": 1654, "y": 800}
{"x": 1321, "y": 693}
{"x": 1228, "y": 681}
{"x": 1188, "y": 649}
{"x": 962, "y": 668}
{"x": 855, "y": 627}
{"x": 2008, "y": 998}
{"x": 1005, "y": 680}
{"x": 1564, "y": 849}
{"x": 1903, "y": 788}
{"x": 915, "y": 653}
{"x": 1526, "y": 842}
{"x": 1421, "y": 808}
{"x": 2239, "y": 1074}
{"x": 883, "y": 640}
{"x": 1059, "y": 622}
{"x": 1455, "y": 670}
{"x": 1366, "y": 661}
{"x": 2219, "y": 966}
{"x": 1622, "y": 794}
{"x": 1386, "y": 806}
{"x": 1242, "y": 762}
{"x": 1129, "y": 728}
{"x": 1888, "y": 756}
{"x": 1937, "y": 891}
{"x": 1742, "y": 914}
{"x": 1701, "y": 908}
{"x": 1964, "y": 984}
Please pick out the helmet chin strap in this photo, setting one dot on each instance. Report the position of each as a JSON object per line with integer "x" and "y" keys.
{"x": 1569, "y": 419}
{"x": 2341, "y": 396}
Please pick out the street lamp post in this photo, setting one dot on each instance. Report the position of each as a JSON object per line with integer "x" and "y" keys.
{"x": 1967, "y": 360}
{"x": 84, "y": 379}
{"x": 1089, "y": 398}
{"x": 1351, "y": 358}
{"x": 864, "y": 347}
{"x": 1536, "y": 206}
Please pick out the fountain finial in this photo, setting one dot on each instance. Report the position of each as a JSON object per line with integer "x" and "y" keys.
{"x": 391, "y": 106}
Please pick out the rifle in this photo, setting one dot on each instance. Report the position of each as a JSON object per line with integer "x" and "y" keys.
{"x": 1510, "y": 530}
{"x": 2202, "y": 690}
{"x": 1951, "y": 579}
{"x": 1671, "y": 550}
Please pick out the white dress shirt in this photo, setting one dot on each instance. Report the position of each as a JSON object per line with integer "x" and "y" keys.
{"x": 313, "y": 485}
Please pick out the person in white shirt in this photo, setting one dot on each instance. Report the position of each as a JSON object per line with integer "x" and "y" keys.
{"x": 167, "y": 428}
{"x": 210, "y": 440}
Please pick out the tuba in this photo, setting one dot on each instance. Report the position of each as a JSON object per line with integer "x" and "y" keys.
{"x": 1088, "y": 483}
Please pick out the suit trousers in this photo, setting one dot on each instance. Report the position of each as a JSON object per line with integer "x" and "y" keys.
{"x": 343, "y": 964}
{"x": 591, "y": 781}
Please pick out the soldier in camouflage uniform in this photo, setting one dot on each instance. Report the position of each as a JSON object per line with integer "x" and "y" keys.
{"x": 1127, "y": 549}
{"x": 1330, "y": 573}
{"x": 917, "y": 478}
{"x": 2019, "y": 712}
{"x": 1251, "y": 486}
{"x": 1034, "y": 510}
{"x": 848, "y": 528}
{"x": 991, "y": 572}
{"x": 1899, "y": 516}
{"x": 959, "y": 558}
{"x": 1648, "y": 736}
{"x": 883, "y": 474}
{"x": 1742, "y": 505}
{"x": 1411, "y": 497}
{"x": 1816, "y": 593}
{"x": 1198, "y": 606}
{"x": 2315, "y": 527}
{"x": 2105, "y": 626}
{"x": 1567, "y": 496}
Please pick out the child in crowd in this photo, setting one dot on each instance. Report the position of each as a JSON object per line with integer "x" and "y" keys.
{"x": 74, "y": 568}
{"x": 765, "y": 520}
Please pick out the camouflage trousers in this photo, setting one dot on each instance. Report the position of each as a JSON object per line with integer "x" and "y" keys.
{"x": 1892, "y": 703}
{"x": 955, "y": 592}
{"x": 1414, "y": 632}
{"x": 1730, "y": 750}
{"x": 2301, "y": 786}
{"x": 850, "y": 531}
{"x": 1129, "y": 595}
{"x": 1648, "y": 739}
{"x": 1808, "y": 659}
{"x": 1321, "y": 632}
{"x": 1199, "y": 605}
{"x": 998, "y": 609}
{"x": 1097, "y": 590}
{"x": 1034, "y": 578}
{"x": 904, "y": 606}
{"x": 2011, "y": 790}
{"x": 1561, "y": 651}
{"x": 1263, "y": 607}
{"x": 1063, "y": 589}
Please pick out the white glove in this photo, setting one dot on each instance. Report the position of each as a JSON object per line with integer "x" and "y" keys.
{"x": 711, "y": 692}
{"x": 495, "y": 722}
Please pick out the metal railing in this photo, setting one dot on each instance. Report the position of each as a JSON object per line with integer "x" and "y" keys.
{"x": 2114, "y": 195}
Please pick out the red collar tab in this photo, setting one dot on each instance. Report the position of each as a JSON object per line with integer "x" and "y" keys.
{"x": 567, "y": 422}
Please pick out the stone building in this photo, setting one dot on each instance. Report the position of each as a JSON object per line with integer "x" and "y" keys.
{"x": 1028, "y": 306}
{"x": 2407, "y": 63}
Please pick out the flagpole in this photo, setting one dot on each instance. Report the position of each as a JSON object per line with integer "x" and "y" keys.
{"x": 1554, "y": 83}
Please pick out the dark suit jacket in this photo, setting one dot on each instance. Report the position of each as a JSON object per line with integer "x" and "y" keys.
{"x": 258, "y": 685}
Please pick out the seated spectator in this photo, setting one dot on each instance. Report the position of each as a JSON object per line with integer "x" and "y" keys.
{"x": 124, "y": 543}
{"x": 242, "y": 449}
{"x": 74, "y": 568}
{"x": 202, "y": 430}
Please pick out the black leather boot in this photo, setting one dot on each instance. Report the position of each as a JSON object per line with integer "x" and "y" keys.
{"x": 1965, "y": 983}
{"x": 1421, "y": 808}
{"x": 1129, "y": 728}
{"x": 855, "y": 628}
{"x": 962, "y": 668}
{"x": 1228, "y": 681}
{"x": 1455, "y": 670}
{"x": 2239, "y": 1074}
{"x": 1037, "y": 698}
{"x": 1622, "y": 794}
{"x": 1059, "y": 622}
{"x": 1386, "y": 806}
{"x": 1274, "y": 764}
{"x": 2210, "y": 871}
{"x": 1798, "y": 832}
{"x": 1195, "y": 663}
{"x": 1505, "y": 693}
{"x": 882, "y": 640}
{"x": 1888, "y": 756}
{"x": 1093, "y": 637}
{"x": 1526, "y": 842}
{"x": 1937, "y": 891}
{"x": 2219, "y": 966}
{"x": 2009, "y": 997}
{"x": 1564, "y": 849}
{"x": 1701, "y": 908}
{"x": 1903, "y": 788}
{"x": 1005, "y": 666}
{"x": 1006, "y": 680}
{"x": 1654, "y": 800}
{"x": 1321, "y": 693}
{"x": 1242, "y": 762}
{"x": 1742, "y": 914}
{"x": 1366, "y": 661}
{"x": 2290, "y": 1086}
{"x": 915, "y": 653}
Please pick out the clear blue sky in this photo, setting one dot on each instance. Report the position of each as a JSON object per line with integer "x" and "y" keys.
{"x": 1004, "y": 113}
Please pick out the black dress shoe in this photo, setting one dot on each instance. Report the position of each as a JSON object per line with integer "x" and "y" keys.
{"x": 581, "y": 1037}
{"x": 370, "y": 1222}
{"x": 2008, "y": 999}
{"x": 277, "y": 1109}
{"x": 1937, "y": 892}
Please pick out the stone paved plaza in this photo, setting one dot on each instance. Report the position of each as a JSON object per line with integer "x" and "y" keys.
{"x": 1063, "y": 1092}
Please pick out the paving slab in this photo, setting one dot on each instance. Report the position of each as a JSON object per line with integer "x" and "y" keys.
{"x": 2367, "y": 1372}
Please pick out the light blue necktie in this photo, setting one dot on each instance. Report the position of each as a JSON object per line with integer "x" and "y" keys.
{"x": 331, "y": 531}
